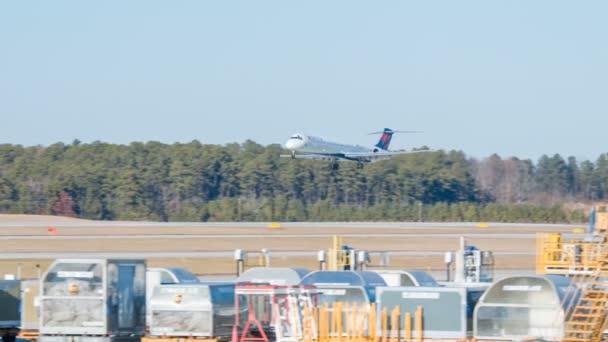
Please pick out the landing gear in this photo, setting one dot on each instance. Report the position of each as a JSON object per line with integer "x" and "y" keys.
{"x": 334, "y": 165}
{"x": 360, "y": 166}
{"x": 293, "y": 154}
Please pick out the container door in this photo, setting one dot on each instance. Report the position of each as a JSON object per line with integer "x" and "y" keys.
{"x": 126, "y": 298}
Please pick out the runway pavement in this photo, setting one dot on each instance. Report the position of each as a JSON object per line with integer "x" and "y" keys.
{"x": 211, "y": 254}
{"x": 320, "y": 225}
{"x": 422, "y": 244}
{"x": 284, "y": 236}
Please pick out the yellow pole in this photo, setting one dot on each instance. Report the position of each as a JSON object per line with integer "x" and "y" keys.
{"x": 346, "y": 322}
{"x": 373, "y": 333}
{"x": 338, "y": 316}
{"x": 307, "y": 324}
{"x": 384, "y": 325}
{"x": 334, "y": 320}
{"x": 324, "y": 323}
{"x": 352, "y": 321}
{"x": 408, "y": 326}
{"x": 395, "y": 328}
{"x": 419, "y": 325}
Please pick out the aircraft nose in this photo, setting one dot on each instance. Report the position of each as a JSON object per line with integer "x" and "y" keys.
{"x": 293, "y": 144}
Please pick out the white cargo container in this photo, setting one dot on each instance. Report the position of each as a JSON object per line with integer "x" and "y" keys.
{"x": 103, "y": 299}
{"x": 198, "y": 310}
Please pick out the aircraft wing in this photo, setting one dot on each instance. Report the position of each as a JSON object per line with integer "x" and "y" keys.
{"x": 380, "y": 154}
{"x": 314, "y": 156}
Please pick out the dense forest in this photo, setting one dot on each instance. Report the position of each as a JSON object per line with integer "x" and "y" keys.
{"x": 249, "y": 182}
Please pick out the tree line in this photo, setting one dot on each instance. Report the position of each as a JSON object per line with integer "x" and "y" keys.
{"x": 249, "y": 182}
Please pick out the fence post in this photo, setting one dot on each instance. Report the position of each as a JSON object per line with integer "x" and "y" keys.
{"x": 419, "y": 325}
{"x": 373, "y": 324}
{"x": 340, "y": 325}
{"x": 408, "y": 326}
{"x": 384, "y": 325}
{"x": 395, "y": 326}
{"x": 324, "y": 324}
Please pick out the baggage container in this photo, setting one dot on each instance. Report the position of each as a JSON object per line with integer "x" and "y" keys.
{"x": 197, "y": 310}
{"x": 166, "y": 275}
{"x": 520, "y": 307}
{"x": 101, "y": 298}
{"x": 444, "y": 309}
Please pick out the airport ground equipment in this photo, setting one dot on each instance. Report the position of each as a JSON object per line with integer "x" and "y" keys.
{"x": 192, "y": 310}
{"x": 274, "y": 312}
{"x": 585, "y": 261}
{"x": 524, "y": 307}
{"x": 341, "y": 257}
{"x": 407, "y": 278}
{"x": 470, "y": 264}
{"x": 556, "y": 255}
{"x": 245, "y": 259}
{"x": 30, "y": 308}
{"x": 586, "y": 318}
{"x": 447, "y": 310}
{"x": 97, "y": 300}
{"x": 10, "y": 317}
{"x": 273, "y": 275}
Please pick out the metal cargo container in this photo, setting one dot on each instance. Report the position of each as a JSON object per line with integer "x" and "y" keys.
{"x": 99, "y": 297}
{"x": 407, "y": 278}
{"x": 10, "y": 298}
{"x": 201, "y": 310}
{"x": 444, "y": 309}
{"x": 346, "y": 279}
{"x": 30, "y": 304}
{"x": 166, "y": 275}
{"x": 273, "y": 275}
{"x": 521, "y": 307}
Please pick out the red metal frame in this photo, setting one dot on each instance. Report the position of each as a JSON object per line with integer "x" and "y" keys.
{"x": 249, "y": 290}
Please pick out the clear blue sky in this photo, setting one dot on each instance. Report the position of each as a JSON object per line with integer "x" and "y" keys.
{"x": 519, "y": 78}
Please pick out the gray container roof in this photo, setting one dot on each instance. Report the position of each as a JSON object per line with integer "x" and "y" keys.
{"x": 273, "y": 275}
{"x": 356, "y": 278}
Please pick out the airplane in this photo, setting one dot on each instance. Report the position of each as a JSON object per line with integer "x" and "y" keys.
{"x": 314, "y": 148}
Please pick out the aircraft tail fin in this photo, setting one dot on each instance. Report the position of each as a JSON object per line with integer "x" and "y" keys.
{"x": 385, "y": 139}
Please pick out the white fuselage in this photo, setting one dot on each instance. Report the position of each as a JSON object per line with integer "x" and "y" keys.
{"x": 309, "y": 144}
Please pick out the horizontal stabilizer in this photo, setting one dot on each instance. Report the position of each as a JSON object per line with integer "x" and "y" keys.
{"x": 381, "y": 153}
{"x": 392, "y": 131}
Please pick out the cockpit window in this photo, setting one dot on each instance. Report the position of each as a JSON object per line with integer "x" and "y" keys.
{"x": 297, "y": 136}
